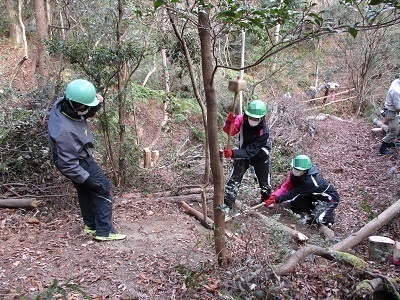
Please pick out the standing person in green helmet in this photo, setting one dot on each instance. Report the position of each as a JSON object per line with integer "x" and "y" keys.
{"x": 307, "y": 191}
{"x": 254, "y": 150}
{"x": 71, "y": 142}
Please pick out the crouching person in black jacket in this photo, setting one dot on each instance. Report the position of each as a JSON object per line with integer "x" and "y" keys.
{"x": 307, "y": 191}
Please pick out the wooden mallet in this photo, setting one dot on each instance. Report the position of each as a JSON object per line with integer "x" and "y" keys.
{"x": 235, "y": 86}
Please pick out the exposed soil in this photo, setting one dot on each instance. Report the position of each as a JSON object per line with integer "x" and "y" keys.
{"x": 169, "y": 255}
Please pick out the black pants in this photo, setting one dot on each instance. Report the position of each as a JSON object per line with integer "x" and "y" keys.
{"x": 314, "y": 208}
{"x": 240, "y": 166}
{"x": 96, "y": 208}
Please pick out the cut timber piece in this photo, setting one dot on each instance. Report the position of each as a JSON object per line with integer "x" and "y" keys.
{"x": 18, "y": 202}
{"x": 380, "y": 248}
{"x": 146, "y": 157}
{"x": 380, "y": 124}
{"x": 155, "y": 154}
{"x": 376, "y": 131}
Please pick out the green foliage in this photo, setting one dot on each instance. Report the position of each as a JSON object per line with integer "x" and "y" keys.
{"x": 143, "y": 94}
{"x": 182, "y": 108}
{"x": 100, "y": 63}
{"x": 193, "y": 277}
{"x": 59, "y": 290}
{"x": 282, "y": 156}
{"x": 24, "y": 146}
{"x": 368, "y": 208}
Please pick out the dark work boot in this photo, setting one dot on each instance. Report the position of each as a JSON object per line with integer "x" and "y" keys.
{"x": 385, "y": 149}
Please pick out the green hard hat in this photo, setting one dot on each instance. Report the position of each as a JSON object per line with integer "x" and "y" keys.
{"x": 82, "y": 91}
{"x": 301, "y": 162}
{"x": 256, "y": 109}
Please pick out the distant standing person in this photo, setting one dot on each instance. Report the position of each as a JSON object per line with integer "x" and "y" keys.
{"x": 307, "y": 191}
{"x": 391, "y": 111}
{"x": 72, "y": 145}
{"x": 254, "y": 150}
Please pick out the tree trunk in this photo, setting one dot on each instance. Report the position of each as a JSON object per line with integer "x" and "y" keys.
{"x": 197, "y": 94}
{"x": 212, "y": 129}
{"x": 42, "y": 31}
{"x": 15, "y": 30}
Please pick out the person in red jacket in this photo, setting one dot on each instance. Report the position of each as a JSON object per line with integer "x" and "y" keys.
{"x": 307, "y": 191}
{"x": 253, "y": 150}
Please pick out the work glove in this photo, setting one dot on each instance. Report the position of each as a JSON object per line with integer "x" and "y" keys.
{"x": 94, "y": 185}
{"x": 228, "y": 153}
{"x": 270, "y": 201}
{"x": 231, "y": 118}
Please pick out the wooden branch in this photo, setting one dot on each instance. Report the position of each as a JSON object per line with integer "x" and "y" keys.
{"x": 322, "y": 117}
{"x": 204, "y": 220}
{"x": 330, "y": 103}
{"x": 172, "y": 199}
{"x": 303, "y": 252}
{"x": 177, "y": 191}
{"x": 323, "y": 97}
{"x": 369, "y": 229}
{"x": 18, "y": 202}
{"x": 244, "y": 212}
{"x": 208, "y": 223}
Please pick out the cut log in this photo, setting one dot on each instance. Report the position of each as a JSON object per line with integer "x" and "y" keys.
{"x": 155, "y": 154}
{"x": 380, "y": 124}
{"x": 146, "y": 158}
{"x": 18, "y": 202}
{"x": 356, "y": 238}
{"x": 376, "y": 131}
{"x": 380, "y": 248}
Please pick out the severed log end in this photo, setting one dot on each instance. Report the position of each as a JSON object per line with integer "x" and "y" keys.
{"x": 18, "y": 203}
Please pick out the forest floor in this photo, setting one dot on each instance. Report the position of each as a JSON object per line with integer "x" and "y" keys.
{"x": 169, "y": 255}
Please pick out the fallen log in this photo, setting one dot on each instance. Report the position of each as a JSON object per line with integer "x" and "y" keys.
{"x": 204, "y": 220}
{"x": 326, "y": 231}
{"x": 340, "y": 248}
{"x": 208, "y": 223}
{"x": 185, "y": 198}
{"x": 18, "y": 202}
{"x": 303, "y": 252}
{"x": 297, "y": 235}
{"x": 380, "y": 124}
{"x": 356, "y": 238}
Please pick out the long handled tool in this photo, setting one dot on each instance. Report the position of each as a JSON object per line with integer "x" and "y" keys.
{"x": 245, "y": 211}
{"x": 234, "y": 86}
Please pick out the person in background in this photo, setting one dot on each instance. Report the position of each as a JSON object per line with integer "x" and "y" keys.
{"x": 391, "y": 113}
{"x": 307, "y": 191}
{"x": 254, "y": 150}
{"x": 71, "y": 143}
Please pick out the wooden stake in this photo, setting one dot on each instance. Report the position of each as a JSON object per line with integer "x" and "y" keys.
{"x": 146, "y": 158}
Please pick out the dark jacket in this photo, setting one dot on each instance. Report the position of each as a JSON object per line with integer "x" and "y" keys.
{"x": 253, "y": 141}
{"x": 70, "y": 139}
{"x": 310, "y": 185}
